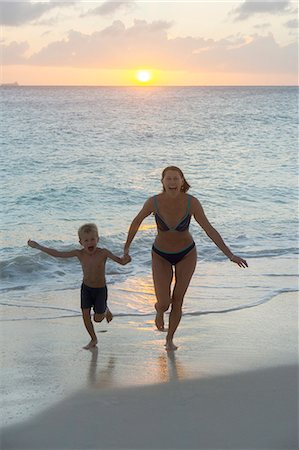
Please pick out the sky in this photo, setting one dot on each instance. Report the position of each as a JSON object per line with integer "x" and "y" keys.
{"x": 179, "y": 43}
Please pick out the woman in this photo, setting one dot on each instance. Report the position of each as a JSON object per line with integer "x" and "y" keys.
{"x": 174, "y": 246}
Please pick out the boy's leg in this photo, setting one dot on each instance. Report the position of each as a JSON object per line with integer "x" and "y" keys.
{"x": 109, "y": 315}
{"x": 89, "y": 327}
{"x": 101, "y": 309}
{"x": 98, "y": 317}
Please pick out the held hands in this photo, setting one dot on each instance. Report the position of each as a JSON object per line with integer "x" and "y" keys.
{"x": 126, "y": 259}
{"x": 240, "y": 261}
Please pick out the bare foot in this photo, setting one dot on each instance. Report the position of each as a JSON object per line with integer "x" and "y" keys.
{"x": 169, "y": 346}
{"x": 159, "y": 321}
{"x": 109, "y": 315}
{"x": 91, "y": 344}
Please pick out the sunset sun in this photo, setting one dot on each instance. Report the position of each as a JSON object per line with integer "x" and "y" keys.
{"x": 144, "y": 76}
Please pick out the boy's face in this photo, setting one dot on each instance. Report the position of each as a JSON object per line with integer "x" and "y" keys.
{"x": 89, "y": 241}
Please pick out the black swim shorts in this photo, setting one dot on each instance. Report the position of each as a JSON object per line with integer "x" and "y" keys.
{"x": 94, "y": 297}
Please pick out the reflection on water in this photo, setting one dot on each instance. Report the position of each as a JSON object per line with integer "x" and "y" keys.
{"x": 131, "y": 354}
{"x": 113, "y": 371}
{"x": 170, "y": 367}
{"x": 135, "y": 295}
{"x": 100, "y": 377}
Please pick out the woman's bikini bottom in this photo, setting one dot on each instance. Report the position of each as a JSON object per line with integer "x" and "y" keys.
{"x": 174, "y": 258}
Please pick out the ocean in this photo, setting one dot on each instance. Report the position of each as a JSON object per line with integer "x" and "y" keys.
{"x": 72, "y": 155}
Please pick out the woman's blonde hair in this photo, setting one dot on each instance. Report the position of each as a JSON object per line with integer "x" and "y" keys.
{"x": 88, "y": 228}
{"x": 185, "y": 187}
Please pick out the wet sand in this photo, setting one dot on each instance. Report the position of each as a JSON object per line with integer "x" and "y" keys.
{"x": 231, "y": 384}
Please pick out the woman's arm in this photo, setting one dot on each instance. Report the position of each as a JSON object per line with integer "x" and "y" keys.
{"x": 53, "y": 252}
{"x": 147, "y": 209}
{"x": 213, "y": 234}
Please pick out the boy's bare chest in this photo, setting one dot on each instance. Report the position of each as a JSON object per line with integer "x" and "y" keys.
{"x": 90, "y": 262}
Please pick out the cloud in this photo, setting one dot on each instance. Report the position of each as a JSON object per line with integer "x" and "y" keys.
{"x": 262, "y": 26}
{"x": 109, "y": 7}
{"x": 147, "y": 44}
{"x": 257, "y": 54}
{"x": 14, "y": 52}
{"x": 252, "y": 7}
{"x": 19, "y": 13}
{"x": 113, "y": 47}
{"x": 292, "y": 23}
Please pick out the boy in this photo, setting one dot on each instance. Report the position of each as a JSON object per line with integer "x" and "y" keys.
{"x": 93, "y": 288}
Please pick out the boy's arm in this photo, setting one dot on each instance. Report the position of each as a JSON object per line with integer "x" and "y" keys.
{"x": 123, "y": 260}
{"x": 53, "y": 252}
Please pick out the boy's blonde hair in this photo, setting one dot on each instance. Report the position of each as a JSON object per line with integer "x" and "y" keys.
{"x": 88, "y": 228}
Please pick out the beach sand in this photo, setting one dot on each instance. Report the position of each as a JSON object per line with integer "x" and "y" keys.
{"x": 232, "y": 384}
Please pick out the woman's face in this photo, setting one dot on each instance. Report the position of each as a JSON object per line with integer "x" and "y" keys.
{"x": 172, "y": 182}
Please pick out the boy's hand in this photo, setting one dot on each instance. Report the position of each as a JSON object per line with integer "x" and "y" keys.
{"x": 32, "y": 244}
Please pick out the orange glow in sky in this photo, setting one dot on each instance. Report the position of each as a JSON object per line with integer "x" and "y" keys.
{"x": 149, "y": 44}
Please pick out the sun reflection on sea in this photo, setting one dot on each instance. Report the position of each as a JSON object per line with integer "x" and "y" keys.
{"x": 135, "y": 295}
{"x": 170, "y": 368}
{"x": 147, "y": 226}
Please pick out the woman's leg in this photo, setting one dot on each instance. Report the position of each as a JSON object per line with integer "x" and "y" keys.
{"x": 183, "y": 274}
{"x": 162, "y": 277}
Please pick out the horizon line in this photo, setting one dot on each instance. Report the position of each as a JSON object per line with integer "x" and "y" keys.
{"x": 16, "y": 84}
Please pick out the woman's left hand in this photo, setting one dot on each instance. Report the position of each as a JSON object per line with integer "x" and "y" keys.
{"x": 240, "y": 261}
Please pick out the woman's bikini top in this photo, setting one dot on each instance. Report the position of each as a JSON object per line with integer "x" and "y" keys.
{"x": 183, "y": 224}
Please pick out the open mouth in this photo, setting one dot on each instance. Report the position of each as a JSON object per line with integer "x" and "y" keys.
{"x": 90, "y": 248}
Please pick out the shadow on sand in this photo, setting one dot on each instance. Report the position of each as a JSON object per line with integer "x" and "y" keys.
{"x": 253, "y": 410}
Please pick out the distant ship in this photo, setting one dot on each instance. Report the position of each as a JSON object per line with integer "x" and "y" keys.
{"x": 10, "y": 84}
